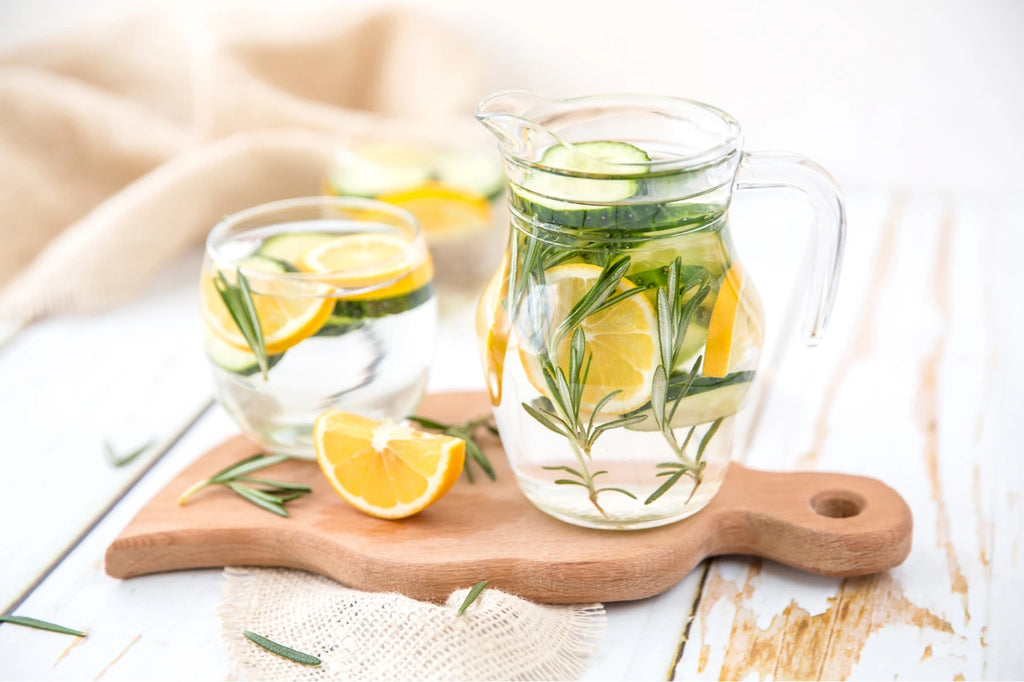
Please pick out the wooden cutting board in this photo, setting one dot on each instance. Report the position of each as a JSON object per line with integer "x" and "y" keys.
{"x": 829, "y": 524}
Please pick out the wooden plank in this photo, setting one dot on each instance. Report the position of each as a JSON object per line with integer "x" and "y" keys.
{"x": 73, "y": 383}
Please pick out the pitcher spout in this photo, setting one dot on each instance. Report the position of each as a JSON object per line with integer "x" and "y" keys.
{"x": 513, "y": 116}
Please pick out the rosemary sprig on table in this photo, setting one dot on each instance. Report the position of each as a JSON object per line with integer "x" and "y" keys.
{"x": 120, "y": 460}
{"x": 467, "y": 432}
{"x": 474, "y": 592}
{"x": 41, "y": 625}
{"x": 266, "y": 494}
{"x": 281, "y": 650}
{"x": 237, "y": 299}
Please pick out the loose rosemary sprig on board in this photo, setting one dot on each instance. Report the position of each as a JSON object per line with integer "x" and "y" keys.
{"x": 264, "y": 493}
{"x": 467, "y": 432}
{"x": 237, "y": 299}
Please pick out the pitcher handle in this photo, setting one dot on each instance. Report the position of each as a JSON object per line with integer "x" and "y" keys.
{"x": 773, "y": 170}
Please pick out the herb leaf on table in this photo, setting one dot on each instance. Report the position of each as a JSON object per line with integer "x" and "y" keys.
{"x": 41, "y": 625}
{"x": 281, "y": 650}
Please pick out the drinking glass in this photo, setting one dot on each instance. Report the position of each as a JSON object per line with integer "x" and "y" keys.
{"x": 316, "y": 303}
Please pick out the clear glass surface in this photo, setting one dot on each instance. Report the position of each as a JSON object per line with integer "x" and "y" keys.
{"x": 343, "y": 291}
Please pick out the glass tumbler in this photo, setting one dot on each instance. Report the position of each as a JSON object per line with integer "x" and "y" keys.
{"x": 316, "y": 303}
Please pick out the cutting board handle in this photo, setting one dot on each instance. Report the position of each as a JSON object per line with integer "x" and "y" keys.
{"x": 830, "y": 524}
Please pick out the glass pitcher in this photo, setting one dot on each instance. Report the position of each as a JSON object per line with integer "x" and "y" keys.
{"x": 621, "y": 335}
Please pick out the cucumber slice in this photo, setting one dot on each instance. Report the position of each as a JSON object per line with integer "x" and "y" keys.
{"x": 265, "y": 264}
{"x": 471, "y": 171}
{"x": 600, "y": 157}
{"x": 288, "y": 247}
{"x": 695, "y": 249}
{"x": 562, "y": 194}
{"x": 379, "y": 307}
{"x": 234, "y": 360}
{"x": 707, "y": 400}
{"x": 364, "y": 176}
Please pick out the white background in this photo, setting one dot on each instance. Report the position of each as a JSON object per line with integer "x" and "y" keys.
{"x": 900, "y": 93}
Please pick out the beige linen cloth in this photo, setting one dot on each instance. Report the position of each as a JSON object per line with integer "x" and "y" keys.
{"x": 360, "y": 636}
{"x": 121, "y": 145}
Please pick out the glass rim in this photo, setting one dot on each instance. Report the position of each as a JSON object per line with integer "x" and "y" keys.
{"x": 731, "y": 143}
{"x": 404, "y": 219}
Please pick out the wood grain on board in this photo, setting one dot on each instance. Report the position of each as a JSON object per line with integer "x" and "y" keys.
{"x": 830, "y": 524}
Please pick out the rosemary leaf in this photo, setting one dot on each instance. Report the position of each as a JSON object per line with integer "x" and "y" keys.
{"x": 467, "y": 433}
{"x": 260, "y": 349}
{"x": 664, "y": 487}
{"x": 563, "y": 468}
{"x": 277, "y": 486}
{"x": 260, "y": 500}
{"x": 478, "y": 456}
{"x": 617, "y": 490}
{"x": 546, "y": 420}
{"x": 127, "y": 458}
{"x": 707, "y": 437}
{"x": 281, "y": 650}
{"x": 474, "y": 592}
{"x": 40, "y": 625}
{"x": 247, "y": 466}
{"x": 569, "y": 481}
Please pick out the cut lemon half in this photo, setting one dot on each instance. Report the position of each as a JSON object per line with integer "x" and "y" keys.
{"x": 285, "y": 316}
{"x": 383, "y": 469}
{"x": 622, "y": 339}
{"x": 735, "y": 326}
{"x": 394, "y": 266}
{"x": 442, "y": 210}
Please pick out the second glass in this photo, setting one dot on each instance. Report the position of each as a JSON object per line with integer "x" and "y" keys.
{"x": 317, "y": 303}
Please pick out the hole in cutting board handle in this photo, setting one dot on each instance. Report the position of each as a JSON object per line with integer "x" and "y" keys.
{"x": 838, "y": 504}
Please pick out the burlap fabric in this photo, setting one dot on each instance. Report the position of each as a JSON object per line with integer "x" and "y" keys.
{"x": 366, "y": 636}
{"x": 122, "y": 144}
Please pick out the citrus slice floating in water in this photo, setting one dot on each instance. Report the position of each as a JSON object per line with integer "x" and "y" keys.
{"x": 386, "y": 264}
{"x": 383, "y": 469}
{"x": 622, "y": 339}
{"x": 443, "y": 210}
{"x": 286, "y": 311}
{"x": 735, "y": 326}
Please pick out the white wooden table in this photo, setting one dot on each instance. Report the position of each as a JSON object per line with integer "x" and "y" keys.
{"x": 920, "y": 383}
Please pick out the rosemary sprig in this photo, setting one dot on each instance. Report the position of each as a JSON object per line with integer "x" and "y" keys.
{"x": 41, "y": 625}
{"x": 237, "y": 299}
{"x": 282, "y": 650}
{"x": 467, "y": 432}
{"x": 676, "y": 307}
{"x": 566, "y": 395}
{"x": 474, "y": 592}
{"x": 266, "y": 494}
{"x": 119, "y": 460}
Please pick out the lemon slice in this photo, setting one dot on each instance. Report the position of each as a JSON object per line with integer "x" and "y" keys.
{"x": 286, "y": 315}
{"x": 441, "y": 210}
{"x": 391, "y": 265}
{"x": 383, "y": 469}
{"x": 735, "y": 326}
{"x": 622, "y": 339}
